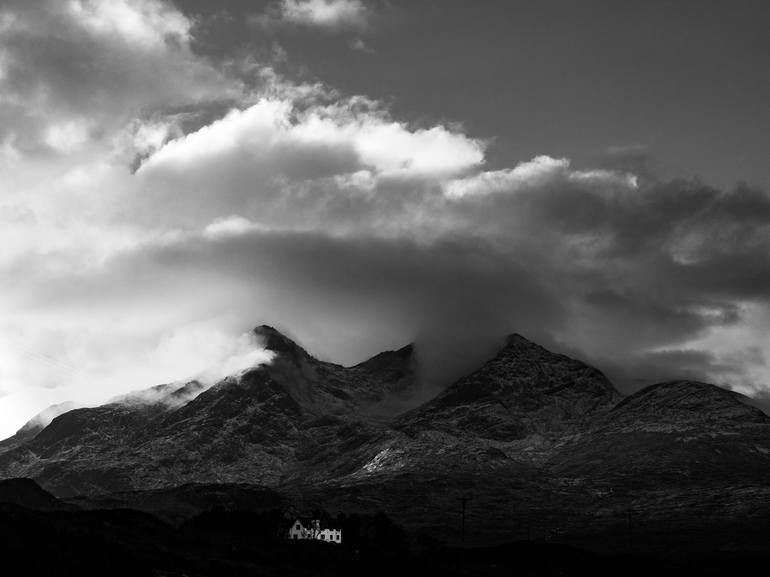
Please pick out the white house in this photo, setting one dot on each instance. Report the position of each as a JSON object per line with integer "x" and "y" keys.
{"x": 311, "y": 529}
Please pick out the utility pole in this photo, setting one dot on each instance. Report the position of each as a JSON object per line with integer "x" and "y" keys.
{"x": 630, "y": 530}
{"x": 464, "y": 500}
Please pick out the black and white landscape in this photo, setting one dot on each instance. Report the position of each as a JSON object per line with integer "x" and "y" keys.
{"x": 509, "y": 264}
{"x": 541, "y": 447}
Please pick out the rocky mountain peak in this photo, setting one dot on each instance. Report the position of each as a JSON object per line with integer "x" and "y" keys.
{"x": 525, "y": 389}
{"x": 278, "y": 342}
{"x": 518, "y": 345}
{"x": 515, "y": 339}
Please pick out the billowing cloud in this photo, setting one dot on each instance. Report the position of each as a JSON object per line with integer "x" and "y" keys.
{"x": 74, "y": 71}
{"x": 541, "y": 170}
{"x": 153, "y": 210}
{"x": 323, "y": 158}
{"x": 323, "y": 14}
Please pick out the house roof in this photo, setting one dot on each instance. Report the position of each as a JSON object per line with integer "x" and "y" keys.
{"x": 323, "y": 523}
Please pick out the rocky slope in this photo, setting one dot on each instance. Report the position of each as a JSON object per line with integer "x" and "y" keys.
{"x": 673, "y": 432}
{"x": 35, "y": 425}
{"x": 525, "y": 390}
{"x": 538, "y": 441}
{"x": 269, "y": 424}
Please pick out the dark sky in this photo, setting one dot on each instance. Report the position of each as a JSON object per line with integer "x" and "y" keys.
{"x": 686, "y": 80}
{"x": 363, "y": 173}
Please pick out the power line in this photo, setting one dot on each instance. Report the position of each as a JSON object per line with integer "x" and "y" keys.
{"x": 38, "y": 356}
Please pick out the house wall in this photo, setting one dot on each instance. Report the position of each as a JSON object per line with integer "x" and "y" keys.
{"x": 298, "y": 531}
{"x": 331, "y": 535}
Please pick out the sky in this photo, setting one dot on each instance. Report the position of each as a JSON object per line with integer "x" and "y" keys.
{"x": 362, "y": 174}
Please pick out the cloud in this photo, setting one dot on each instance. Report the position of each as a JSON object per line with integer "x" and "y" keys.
{"x": 153, "y": 210}
{"x": 361, "y": 46}
{"x": 327, "y": 290}
{"x": 227, "y": 357}
{"x": 540, "y": 171}
{"x": 315, "y": 158}
{"x": 72, "y": 71}
{"x": 324, "y": 14}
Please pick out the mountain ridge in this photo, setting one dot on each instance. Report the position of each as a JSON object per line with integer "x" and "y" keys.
{"x": 511, "y": 395}
{"x": 528, "y": 427}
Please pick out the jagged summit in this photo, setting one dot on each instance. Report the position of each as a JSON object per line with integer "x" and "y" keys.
{"x": 515, "y": 339}
{"x": 277, "y": 342}
{"x": 525, "y": 389}
{"x": 519, "y": 344}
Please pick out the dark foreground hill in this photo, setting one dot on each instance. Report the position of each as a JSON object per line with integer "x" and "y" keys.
{"x": 235, "y": 542}
{"x": 539, "y": 445}
{"x": 28, "y": 494}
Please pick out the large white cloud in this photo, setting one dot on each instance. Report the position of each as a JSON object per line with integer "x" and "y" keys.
{"x": 74, "y": 70}
{"x": 138, "y": 249}
{"x": 323, "y": 158}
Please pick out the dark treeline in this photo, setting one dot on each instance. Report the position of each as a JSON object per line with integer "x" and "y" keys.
{"x": 123, "y": 542}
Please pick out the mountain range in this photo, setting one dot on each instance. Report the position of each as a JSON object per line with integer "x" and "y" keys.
{"x": 532, "y": 441}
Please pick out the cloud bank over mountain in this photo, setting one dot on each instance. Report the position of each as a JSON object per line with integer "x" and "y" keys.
{"x": 155, "y": 204}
